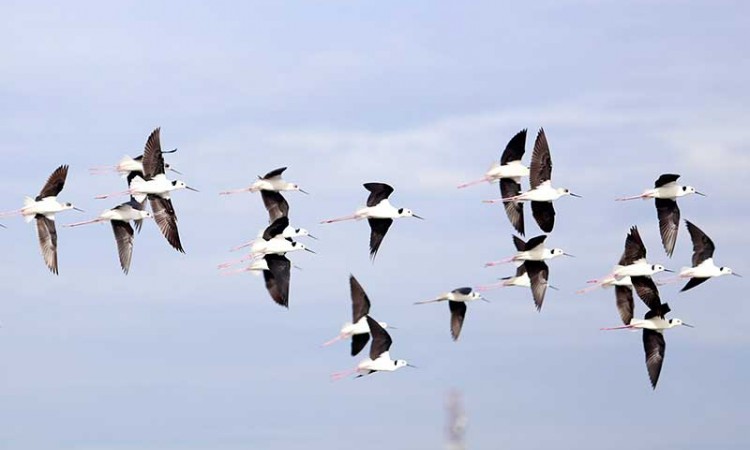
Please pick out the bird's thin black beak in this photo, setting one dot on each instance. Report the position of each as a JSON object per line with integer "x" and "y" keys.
{"x": 304, "y": 191}
{"x": 733, "y": 273}
{"x": 669, "y": 271}
{"x": 191, "y": 189}
{"x": 412, "y": 366}
{"x": 701, "y": 194}
{"x": 552, "y": 287}
{"x": 297, "y": 267}
{"x": 169, "y": 151}
{"x": 688, "y": 325}
{"x": 418, "y": 217}
{"x": 311, "y": 236}
{"x": 568, "y": 254}
{"x": 575, "y": 195}
{"x": 484, "y": 299}
{"x": 308, "y": 250}
{"x": 391, "y": 327}
{"x": 2, "y": 226}
{"x": 172, "y": 169}
{"x": 78, "y": 209}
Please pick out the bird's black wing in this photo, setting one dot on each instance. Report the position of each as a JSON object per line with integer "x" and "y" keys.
{"x": 535, "y": 242}
{"x": 624, "y": 300}
{"x": 47, "y": 234}
{"x": 647, "y": 291}
{"x": 458, "y": 313}
{"x": 544, "y": 213}
{"x": 654, "y": 346}
{"x": 166, "y": 220}
{"x": 360, "y": 301}
{"x": 275, "y": 204}
{"x": 462, "y": 290}
{"x": 669, "y": 223}
{"x": 124, "y": 238}
{"x": 274, "y": 173}
{"x": 514, "y": 210}
{"x": 378, "y": 229}
{"x": 703, "y": 246}
{"x": 378, "y": 192}
{"x": 276, "y": 228}
{"x": 381, "y": 340}
{"x": 665, "y": 179}
{"x": 277, "y": 278}
{"x": 359, "y": 341}
{"x": 519, "y": 243}
{"x": 539, "y": 276}
{"x": 693, "y": 282}
{"x": 541, "y": 161}
{"x": 54, "y": 184}
{"x": 153, "y": 161}
{"x": 634, "y": 248}
{"x": 515, "y": 149}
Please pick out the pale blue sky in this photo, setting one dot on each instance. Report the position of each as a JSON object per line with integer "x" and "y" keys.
{"x": 421, "y": 95}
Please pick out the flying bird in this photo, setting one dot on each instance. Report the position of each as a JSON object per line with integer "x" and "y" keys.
{"x": 379, "y": 213}
{"x": 380, "y": 359}
{"x": 703, "y": 260}
{"x": 509, "y": 172}
{"x": 542, "y": 194}
{"x": 129, "y": 167}
{"x": 272, "y": 241}
{"x": 357, "y": 329}
{"x": 271, "y": 181}
{"x": 653, "y": 325}
{"x": 120, "y": 217}
{"x": 43, "y": 208}
{"x": 533, "y": 250}
{"x": 666, "y": 191}
{"x": 157, "y": 188}
{"x": 457, "y": 300}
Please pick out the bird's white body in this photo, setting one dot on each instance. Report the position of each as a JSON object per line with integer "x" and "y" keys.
{"x": 543, "y": 193}
{"x": 706, "y": 269}
{"x": 611, "y": 281}
{"x": 669, "y": 191}
{"x": 278, "y": 245}
{"x": 128, "y": 164}
{"x": 658, "y": 324}
{"x": 159, "y": 185}
{"x": 459, "y": 297}
{"x": 514, "y": 169}
{"x": 361, "y": 327}
{"x": 48, "y": 207}
{"x": 383, "y": 210}
{"x": 519, "y": 281}
{"x": 539, "y": 253}
{"x": 290, "y": 232}
{"x": 384, "y": 363}
{"x": 125, "y": 213}
{"x": 640, "y": 268}
{"x": 273, "y": 184}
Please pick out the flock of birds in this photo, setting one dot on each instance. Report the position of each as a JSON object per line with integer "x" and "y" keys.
{"x": 146, "y": 177}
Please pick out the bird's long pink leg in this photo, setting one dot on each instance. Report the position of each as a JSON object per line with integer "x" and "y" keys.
{"x": 504, "y": 200}
{"x": 11, "y": 213}
{"x": 246, "y": 244}
{"x": 238, "y": 261}
{"x": 588, "y": 289}
{"x": 333, "y": 341}
{"x": 341, "y": 219}
{"x": 475, "y": 182}
{"x": 235, "y": 191}
{"x": 502, "y": 261}
{"x": 236, "y": 271}
{"x": 487, "y": 287}
{"x": 337, "y": 376}
{"x": 99, "y": 170}
{"x": 634, "y": 197}
{"x": 85, "y": 222}
{"x": 625, "y": 327}
{"x": 670, "y": 280}
{"x": 103, "y": 196}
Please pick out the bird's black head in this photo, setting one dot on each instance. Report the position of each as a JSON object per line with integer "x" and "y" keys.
{"x": 395, "y": 363}
{"x": 298, "y": 230}
{"x": 401, "y": 210}
{"x": 684, "y": 188}
{"x": 174, "y": 183}
{"x": 653, "y": 267}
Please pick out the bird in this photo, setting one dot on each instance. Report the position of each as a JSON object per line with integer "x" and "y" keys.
{"x": 520, "y": 279}
{"x": 653, "y": 325}
{"x": 275, "y": 204}
{"x": 272, "y": 241}
{"x": 633, "y": 260}
{"x": 43, "y": 208}
{"x": 666, "y": 191}
{"x": 357, "y": 329}
{"x": 271, "y": 181}
{"x": 128, "y": 167}
{"x": 379, "y": 213}
{"x": 277, "y": 278}
{"x": 542, "y": 194}
{"x": 380, "y": 359}
{"x": 120, "y": 217}
{"x": 157, "y": 188}
{"x": 533, "y": 250}
{"x": 703, "y": 260}
{"x": 457, "y": 299}
{"x": 509, "y": 172}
